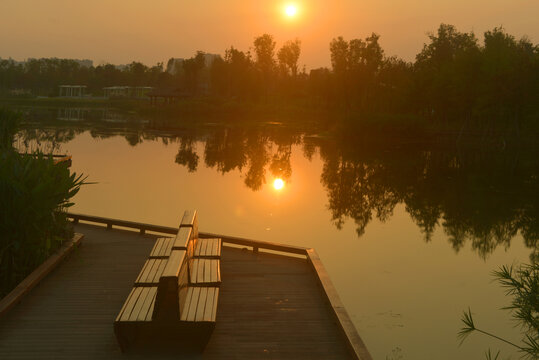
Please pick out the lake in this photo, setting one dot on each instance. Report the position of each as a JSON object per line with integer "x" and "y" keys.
{"x": 408, "y": 232}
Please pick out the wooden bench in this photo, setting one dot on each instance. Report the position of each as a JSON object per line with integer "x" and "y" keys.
{"x": 174, "y": 300}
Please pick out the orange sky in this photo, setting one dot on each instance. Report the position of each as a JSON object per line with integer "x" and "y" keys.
{"x": 120, "y": 31}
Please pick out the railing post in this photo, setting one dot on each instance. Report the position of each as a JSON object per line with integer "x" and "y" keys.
{"x": 109, "y": 226}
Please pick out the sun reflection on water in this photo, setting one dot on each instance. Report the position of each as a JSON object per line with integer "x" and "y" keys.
{"x": 278, "y": 184}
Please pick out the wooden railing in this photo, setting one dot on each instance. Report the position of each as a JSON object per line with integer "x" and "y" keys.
{"x": 355, "y": 344}
{"x": 142, "y": 228}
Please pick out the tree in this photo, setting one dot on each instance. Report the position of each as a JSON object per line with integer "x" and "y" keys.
{"x": 446, "y": 71}
{"x": 288, "y": 56}
{"x": 264, "y": 46}
{"x": 240, "y": 74}
{"x": 192, "y": 68}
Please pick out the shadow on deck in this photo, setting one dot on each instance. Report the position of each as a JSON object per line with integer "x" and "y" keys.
{"x": 270, "y": 306}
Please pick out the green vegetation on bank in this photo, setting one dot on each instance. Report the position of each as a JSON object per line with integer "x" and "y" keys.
{"x": 34, "y": 193}
{"x": 456, "y": 83}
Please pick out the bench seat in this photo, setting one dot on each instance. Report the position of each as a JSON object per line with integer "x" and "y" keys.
{"x": 208, "y": 248}
{"x": 136, "y": 329}
{"x": 204, "y": 272}
{"x": 139, "y": 305}
{"x": 162, "y": 248}
{"x": 200, "y": 304}
{"x": 151, "y": 272}
{"x": 173, "y": 304}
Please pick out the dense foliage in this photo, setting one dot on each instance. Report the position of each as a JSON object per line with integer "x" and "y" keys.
{"x": 454, "y": 80}
{"x": 34, "y": 191}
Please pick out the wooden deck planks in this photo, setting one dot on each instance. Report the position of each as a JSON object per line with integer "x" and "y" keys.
{"x": 270, "y": 306}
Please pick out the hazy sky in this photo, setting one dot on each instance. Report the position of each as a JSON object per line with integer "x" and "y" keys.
{"x": 120, "y": 31}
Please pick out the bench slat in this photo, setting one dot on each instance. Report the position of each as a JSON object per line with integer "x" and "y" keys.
{"x": 157, "y": 274}
{"x": 126, "y": 303}
{"x": 193, "y": 304}
{"x": 214, "y": 308}
{"x": 185, "y": 293}
{"x": 143, "y": 271}
{"x": 207, "y": 272}
{"x": 208, "y": 310}
{"x": 200, "y": 272}
{"x": 156, "y": 250}
{"x": 167, "y": 247}
{"x": 147, "y": 305}
{"x": 162, "y": 248}
{"x": 208, "y": 248}
{"x": 130, "y": 304}
{"x": 139, "y": 305}
{"x": 149, "y": 314}
{"x": 204, "y": 272}
{"x": 201, "y": 304}
{"x": 216, "y": 272}
{"x": 151, "y": 272}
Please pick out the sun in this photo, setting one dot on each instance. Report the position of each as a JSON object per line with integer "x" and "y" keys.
{"x": 291, "y": 10}
{"x": 278, "y": 184}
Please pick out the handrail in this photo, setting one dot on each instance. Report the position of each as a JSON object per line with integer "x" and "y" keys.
{"x": 124, "y": 223}
{"x": 142, "y": 227}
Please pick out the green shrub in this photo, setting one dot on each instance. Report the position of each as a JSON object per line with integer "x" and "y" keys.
{"x": 34, "y": 193}
{"x": 9, "y": 124}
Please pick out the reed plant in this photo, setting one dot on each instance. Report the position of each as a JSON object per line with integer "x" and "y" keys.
{"x": 521, "y": 283}
{"x": 34, "y": 194}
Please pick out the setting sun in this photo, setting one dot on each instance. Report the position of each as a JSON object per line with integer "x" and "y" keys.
{"x": 278, "y": 184}
{"x": 291, "y": 10}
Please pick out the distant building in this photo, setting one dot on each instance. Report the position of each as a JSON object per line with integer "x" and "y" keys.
{"x": 84, "y": 63}
{"x": 209, "y": 58}
{"x": 20, "y": 92}
{"x": 72, "y": 91}
{"x": 174, "y": 65}
{"x": 127, "y": 91}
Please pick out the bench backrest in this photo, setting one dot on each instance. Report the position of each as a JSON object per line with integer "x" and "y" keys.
{"x": 173, "y": 278}
{"x": 189, "y": 219}
{"x": 172, "y": 288}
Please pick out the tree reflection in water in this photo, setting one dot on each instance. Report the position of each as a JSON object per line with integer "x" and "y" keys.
{"x": 480, "y": 196}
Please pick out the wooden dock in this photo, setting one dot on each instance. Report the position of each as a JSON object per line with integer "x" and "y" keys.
{"x": 271, "y": 306}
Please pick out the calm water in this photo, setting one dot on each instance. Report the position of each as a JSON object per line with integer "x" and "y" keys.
{"x": 409, "y": 234}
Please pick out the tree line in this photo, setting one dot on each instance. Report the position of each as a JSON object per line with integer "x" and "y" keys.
{"x": 455, "y": 78}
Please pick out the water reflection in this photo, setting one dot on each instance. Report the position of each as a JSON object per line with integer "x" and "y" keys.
{"x": 484, "y": 197}
{"x": 278, "y": 184}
